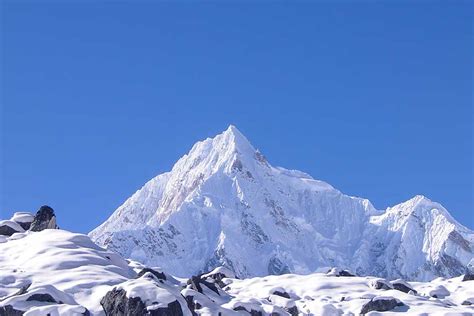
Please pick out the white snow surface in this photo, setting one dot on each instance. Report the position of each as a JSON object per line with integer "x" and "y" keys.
{"x": 69, "y": 262}
{"x": 223, "y": 204}
{"x": 77, "y": 274}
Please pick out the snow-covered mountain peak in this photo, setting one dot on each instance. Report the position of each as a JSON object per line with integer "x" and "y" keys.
{"x": 224, "y": 204}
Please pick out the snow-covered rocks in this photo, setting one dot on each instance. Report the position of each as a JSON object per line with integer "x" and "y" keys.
{"x": 8, "y": 228}
{"x": 337, "y": 272}
{"x": 381, "y": 284}
{"x": 41, "y": 300}
{"x": 61, "y": 273}
{"x": 439, "y": 291}
{"x": 24, "y": 219}
{"x": 224, "y": 194}
{"x": 146, "y": 295}
{"x": 380, "y": 304}
{"x": 403, "y": 286}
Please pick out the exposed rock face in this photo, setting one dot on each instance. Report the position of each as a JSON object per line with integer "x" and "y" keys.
{"x": 158, "y": 275}
{"x": 196, "y": 283}
{"x": 10, "y": 311}
{"x": 44, "y": 219}
{"x": 380, "y": 304}
{"x": 116, "y": 303}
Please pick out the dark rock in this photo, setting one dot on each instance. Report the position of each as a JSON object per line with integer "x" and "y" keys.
{"x": 158, "y": 275}
{"x": 24, "y": 225}
{"x": 6, "y": 230}
{"x": 44, "y": 219}
{"x": 282, "y": 294}
{"x": 380, "y": 305}
{"x": 340, "y": 273}
{"x": 345, "y": 273}
{"x": 466, "y": 302}
{"x": 42, "y": 297}
{"x": 8, "y": 310}
{"x": 173, "y": 309}
{"x": 403, "y": 287}
{"x": 192, "y": 305}
{"x": 293, "y": 311}
{"x": 252, "y": 312}
{"x": 196, "y": 282}
{"x": 468, "y": 277}
{"x": 116, "y": 303}
{"x": 219, "y": 276}
{"x": 381, "y": 285}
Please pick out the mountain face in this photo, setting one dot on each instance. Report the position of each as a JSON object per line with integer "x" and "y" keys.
{"x": 223, "y": 204}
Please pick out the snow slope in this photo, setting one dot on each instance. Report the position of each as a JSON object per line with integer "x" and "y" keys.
{"x": 68, "y": 274}
{"x": 224, "y": 204}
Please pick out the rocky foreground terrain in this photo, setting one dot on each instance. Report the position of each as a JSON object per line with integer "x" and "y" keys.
{"x": 48, "y": 271}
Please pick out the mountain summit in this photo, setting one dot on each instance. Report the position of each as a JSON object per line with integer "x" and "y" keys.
{"x": 224, "y": 204}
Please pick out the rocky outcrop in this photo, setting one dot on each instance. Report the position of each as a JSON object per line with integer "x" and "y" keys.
{"x": 340, "y": 273}
{"x": 157, "y": 274}
{"x": 381, "y": 284}
{"x": 10, "y": 311}
{"x": 44, "y": 219}
{"x": 196, "y": 283}
{"x": 380, "y": 304}
{"x": 8, "y": 228}
{"x": 403, "y": 286}
{"x": 24, "y": 219}
{"x": 116, "y": 303}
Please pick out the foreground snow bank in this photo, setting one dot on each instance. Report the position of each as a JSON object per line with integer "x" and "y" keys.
{"x": 62, "y": 273}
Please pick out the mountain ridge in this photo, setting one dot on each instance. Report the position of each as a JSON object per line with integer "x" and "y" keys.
{"x": 224, "y": 193}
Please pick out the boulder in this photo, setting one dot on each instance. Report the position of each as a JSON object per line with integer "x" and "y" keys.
{"x": 280, "y": 292}
{"x": 8, "y": 228}
{"x": 340, "y": 273}
{"x": 380, "y": 284}
{"x": 44, "y": 219}
{"x": 380, "y": 304}
{"x": 468, "y": 302}
{"x": 439, "y": 292}
{"x": 116, "y": 303}
{"x": 403, "y": 286}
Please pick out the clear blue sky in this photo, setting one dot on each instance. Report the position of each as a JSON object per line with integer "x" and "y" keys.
{"x": 97, "y": 98}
